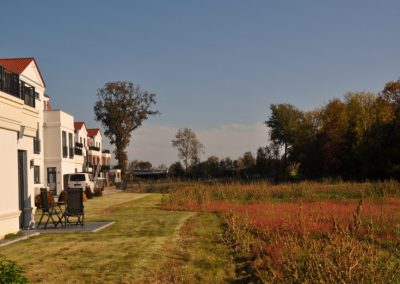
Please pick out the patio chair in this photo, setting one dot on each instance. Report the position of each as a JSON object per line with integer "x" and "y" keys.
{"x": 74, "y": 207}
{"x": 49, "y": 210}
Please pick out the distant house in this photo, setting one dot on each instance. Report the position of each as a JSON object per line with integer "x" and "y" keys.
{"x": 81, "y": 148}
{"x": 21, "y": 145}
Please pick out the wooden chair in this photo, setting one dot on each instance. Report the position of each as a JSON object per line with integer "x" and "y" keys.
{"x": 74, "y": 207}
{"x": 49, "y": 210}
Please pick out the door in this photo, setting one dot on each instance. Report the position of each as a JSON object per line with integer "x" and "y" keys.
{"x": 52, "y": 180}
{"x": 22, "y": 188}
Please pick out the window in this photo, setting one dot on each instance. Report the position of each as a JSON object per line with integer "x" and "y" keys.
{"x": 71, "y": 146}
{"x": 36, "y": 174}
{"x": 64, "y": 144}
{"x": 36, "y": 143}
{"x": 77, "y": 177}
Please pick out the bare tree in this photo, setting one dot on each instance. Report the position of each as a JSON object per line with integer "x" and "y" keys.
{"x": 189, "y": 147}
{"x": 121, "y": 108}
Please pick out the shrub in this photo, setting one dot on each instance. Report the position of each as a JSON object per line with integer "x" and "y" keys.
{"x": 98, "y": 192}
{"x": 10, "y": 272}
{"x": 89, "y": 193}
{"x": 63, "y": 196}
{"x": 38, "y": 200}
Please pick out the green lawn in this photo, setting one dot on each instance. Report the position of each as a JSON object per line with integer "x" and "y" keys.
{"x": 137, "y": 244}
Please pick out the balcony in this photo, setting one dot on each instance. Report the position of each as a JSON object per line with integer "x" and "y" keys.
{"x": 78, "y": 151}
{"x": 11, "y": 84}
{"x": 78, "y": 145}
{"x": 94, "y": 148}
{"x": 106, "y": 152}
{"x": 105, "y": 167}
{"x": 36, "y": 146}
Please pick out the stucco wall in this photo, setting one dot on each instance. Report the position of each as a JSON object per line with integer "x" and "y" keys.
{"x": 9, "y": 209}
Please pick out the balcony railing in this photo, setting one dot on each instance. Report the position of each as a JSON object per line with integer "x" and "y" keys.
{"x": 106, "y": 151}
{"x": 78, "y": 151}
{"x": 36, "y": 146}
{"x": 78, "y": 145}
{"x": 94, "y": 148}
{"x": 105, "y": 168}
{"x": 11, "y": 84}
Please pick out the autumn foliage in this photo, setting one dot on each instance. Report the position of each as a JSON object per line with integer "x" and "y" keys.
{"x": 308, "y": 232}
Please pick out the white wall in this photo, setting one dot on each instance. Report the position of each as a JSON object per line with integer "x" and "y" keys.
{"x": 15, "y": 116}
{"x": 9, "y": 208}
{"x": 55, "y": 122}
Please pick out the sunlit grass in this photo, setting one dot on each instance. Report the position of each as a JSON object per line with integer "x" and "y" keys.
{"x": 119, "y": 254}
{"x": 199, "y": 256}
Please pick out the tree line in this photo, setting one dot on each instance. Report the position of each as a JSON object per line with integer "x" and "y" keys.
{"x": 356, "y": 137}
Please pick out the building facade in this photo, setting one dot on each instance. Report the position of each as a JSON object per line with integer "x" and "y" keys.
{"x": 21, "y": 116}
{"x": 39, "y": 145}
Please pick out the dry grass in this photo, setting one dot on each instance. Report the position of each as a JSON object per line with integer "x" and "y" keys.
{"x": 307, "y": 232}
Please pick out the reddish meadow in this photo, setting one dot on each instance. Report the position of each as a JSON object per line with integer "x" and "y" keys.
{"x": 308, "y": 232}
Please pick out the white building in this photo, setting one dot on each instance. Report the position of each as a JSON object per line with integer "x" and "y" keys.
{"x": 61, "y": 156}
{"x": 94, "y": 141}
{"x": 81, "y": 143}
{"x": 39, "y": 146}
{"x": 21, "y": 116}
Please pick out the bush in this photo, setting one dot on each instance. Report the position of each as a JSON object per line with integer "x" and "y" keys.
{"x": 63, "y": 196}
{"x": 38, "y": 200}
{"x": 89, "y": 193}
{"x": 98, "y": 192}
{"x": 10, "y": 272}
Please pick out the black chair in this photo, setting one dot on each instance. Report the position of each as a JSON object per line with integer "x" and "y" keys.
{"x": 74, "y": 207}
{"x": 49, "y": 211}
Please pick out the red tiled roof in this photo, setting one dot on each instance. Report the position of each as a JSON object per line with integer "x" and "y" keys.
{"x": 78, "y": 125}
{"x": 18, "y": 65}
{"x": 92, "y": 132}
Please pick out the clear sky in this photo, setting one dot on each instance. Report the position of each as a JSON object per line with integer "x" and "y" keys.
{"x": 215, "y": 65}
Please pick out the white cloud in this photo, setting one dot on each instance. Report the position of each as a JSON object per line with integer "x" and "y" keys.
{"x": 153, "y": 142}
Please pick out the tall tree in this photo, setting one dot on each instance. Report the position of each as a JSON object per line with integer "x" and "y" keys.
{"x": 189, "y": 147}
{"x": 121, "y": 108}
{"x": 284, "y": 126}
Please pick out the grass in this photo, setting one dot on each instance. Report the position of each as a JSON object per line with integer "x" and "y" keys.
{"x": 199, "y": 256}
{"x": 306, "y": 232}
{"x": 122, "y": 253}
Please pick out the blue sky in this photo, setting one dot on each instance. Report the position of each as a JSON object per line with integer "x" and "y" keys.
{"x": 215, "y": 66}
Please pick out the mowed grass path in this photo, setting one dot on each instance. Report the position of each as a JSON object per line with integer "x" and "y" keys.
{"x": 122, "y": 253}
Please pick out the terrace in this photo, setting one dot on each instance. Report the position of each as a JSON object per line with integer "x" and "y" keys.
{"x": 78, "y": 151}
{"x": 94, "y": 148}
{"x": 11, "y": 84}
